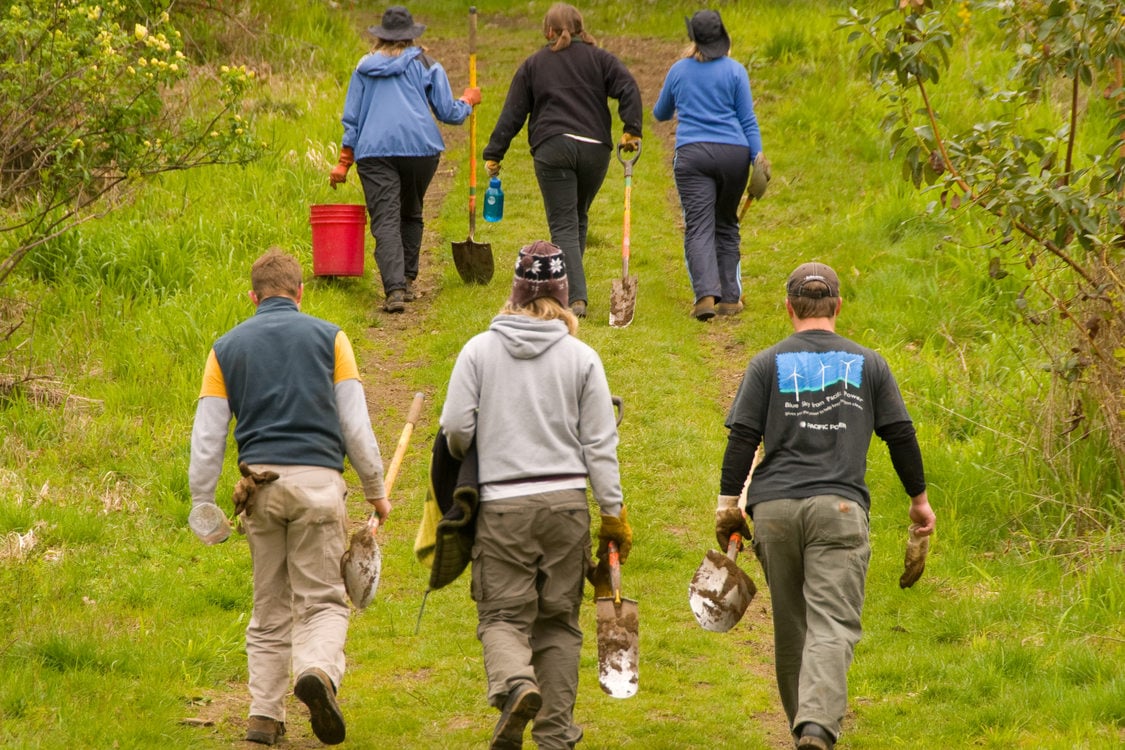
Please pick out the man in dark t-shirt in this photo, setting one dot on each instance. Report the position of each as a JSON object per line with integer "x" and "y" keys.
{"x": 812, "y": 401}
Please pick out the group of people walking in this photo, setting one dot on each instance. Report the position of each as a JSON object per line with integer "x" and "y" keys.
{"x": 561, "y": 93}
{"x": 530, "y": 405}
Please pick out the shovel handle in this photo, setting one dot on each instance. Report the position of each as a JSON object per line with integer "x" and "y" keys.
{"x": 472, "y": 123}
{"x": 615, "y": 571}
{"x": 400, "y": 451}
{"x": 733, "y": 545}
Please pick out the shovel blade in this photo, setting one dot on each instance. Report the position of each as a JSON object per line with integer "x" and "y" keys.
{"x": 360, "y": 567}
{"x": 719, "y": 593}
{"x": 622, "y": 301}
{"x": 618, "y": 640}
{"x": 473, "y": 261}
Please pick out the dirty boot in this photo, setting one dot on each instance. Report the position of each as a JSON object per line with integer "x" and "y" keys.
{"x": 521, "y": 707}
{"x": 729, "y": 308}
{"x": 315, "y": 690}
{"x": 704, "y": 309}
{"x": 395, "y": 302}
{"x": 264, "y": 730}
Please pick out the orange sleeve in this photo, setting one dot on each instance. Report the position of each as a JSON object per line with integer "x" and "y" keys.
{"x": 346, "y": 368}
{"x": 213, "y": 383}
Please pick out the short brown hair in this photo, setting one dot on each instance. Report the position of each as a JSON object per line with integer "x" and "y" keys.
{"x": 276, "y": 274}
{"x": 807, "y": 307}
{"x": 565, "y": 20}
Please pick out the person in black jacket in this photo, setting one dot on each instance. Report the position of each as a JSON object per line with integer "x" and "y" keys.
{"x": 564, "y": 89}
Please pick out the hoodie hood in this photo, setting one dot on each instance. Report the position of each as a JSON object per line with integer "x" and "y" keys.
{"x": 526, "y": 337}
{"x": 378, "y": 65}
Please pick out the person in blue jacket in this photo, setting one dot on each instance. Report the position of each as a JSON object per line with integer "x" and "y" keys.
{"x": 390, "y": 134}
{"x": 717, "y": 139}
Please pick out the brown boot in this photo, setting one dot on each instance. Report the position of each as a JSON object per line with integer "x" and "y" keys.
{"x": 521, "y": 707}
{"x": 395, "y": 302}
{"x": 316, "y": 691}
{"x": 729, "y": 308}
{"x": 264, "y": 730}
{"x": 704, "y": 309}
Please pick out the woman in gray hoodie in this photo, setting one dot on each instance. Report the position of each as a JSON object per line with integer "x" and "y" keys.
{"x": 536, "y": 401}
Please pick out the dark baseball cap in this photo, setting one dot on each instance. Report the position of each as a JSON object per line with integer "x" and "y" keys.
{"x": 706, "y": 29}
{"x": 813, "y": 280}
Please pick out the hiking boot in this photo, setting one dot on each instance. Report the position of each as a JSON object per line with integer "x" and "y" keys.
{"x": 729, "y": 308}
{"x": 521, "y": 707}
{"x": 578, "y": 307}
{"x": 408, "y": 294}
{"x": 395, "y": 302}
{"x": 704, "y": 309}
{"x": 316, "y": 691}
{"x": 815, "y": 737}
{"x": 264, "y": 730}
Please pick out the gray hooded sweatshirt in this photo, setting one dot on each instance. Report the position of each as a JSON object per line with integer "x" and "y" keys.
{"x": 537, "y": 401}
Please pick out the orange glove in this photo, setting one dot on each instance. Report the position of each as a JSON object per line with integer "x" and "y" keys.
{"x": 340, "y": 171}
{"x": 471, "y": 96}
{"x": 630, "y": 142}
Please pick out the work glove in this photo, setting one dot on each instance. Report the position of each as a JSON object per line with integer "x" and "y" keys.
{"x": 630, "y": 142}
{"x": 598, "y": 576}
{"x": 917, "y": 547}
{"x": 493, "y": 168}
{"x": 247, "y": 487}
{"x": 760, "y": 177}
{"x": 729, "y": 520}
{"x": 615, "y": 529}
{"x": 340, "y": 171}
{"x": 471, "y": 96}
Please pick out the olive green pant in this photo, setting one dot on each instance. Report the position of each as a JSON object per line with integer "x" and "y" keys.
{"x": 814, "y": 552}
{"x": 300, "y": 618}
{"x": 529, "y": 563}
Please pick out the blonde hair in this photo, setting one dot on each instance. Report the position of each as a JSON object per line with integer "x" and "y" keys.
{"x": 276, "y": 273}
{"x": 395, "y": 47}
{"x": 565, "y": 22}
{"x": 544, "y": 308}
{"x": 695, "y": 53}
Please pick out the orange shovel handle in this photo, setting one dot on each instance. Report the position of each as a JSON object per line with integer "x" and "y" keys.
{"x": 615, "y": 572}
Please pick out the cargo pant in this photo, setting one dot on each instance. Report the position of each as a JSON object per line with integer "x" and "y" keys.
{"x": 529, "y": 563}
{"x": 297, "y": 535}
{"x": 815, "y": 553}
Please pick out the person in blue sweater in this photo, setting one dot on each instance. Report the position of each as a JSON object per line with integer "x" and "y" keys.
{"x": 390, "y": 135}
{"x": 717, "y": 139}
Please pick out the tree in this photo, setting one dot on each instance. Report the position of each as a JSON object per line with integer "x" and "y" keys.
{"x": 94, "y": 97}
{"x": 1055, "y": 203}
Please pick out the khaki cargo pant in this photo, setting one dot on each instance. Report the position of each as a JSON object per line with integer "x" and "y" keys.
{"x": 529, "y": 563}
{"x": 300, "y": 618}
{"x": 815, "y": 553}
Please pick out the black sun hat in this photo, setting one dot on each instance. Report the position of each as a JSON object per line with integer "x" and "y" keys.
{"x": 706, "y": 29}
{"x": 398, "y": 25}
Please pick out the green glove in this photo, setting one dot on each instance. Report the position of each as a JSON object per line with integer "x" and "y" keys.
{"x": 729, "y": 519}
{"x": 614, "y": 529}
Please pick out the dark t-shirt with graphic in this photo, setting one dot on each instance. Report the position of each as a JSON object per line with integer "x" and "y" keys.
{"x": 816, "y": 398}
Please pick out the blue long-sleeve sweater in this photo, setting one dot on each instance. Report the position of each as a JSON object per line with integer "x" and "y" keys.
{"x": 713, "y": 103}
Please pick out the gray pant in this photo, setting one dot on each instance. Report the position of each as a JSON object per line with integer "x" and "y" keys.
{"x": 814, "y": 553}
{"x": 529, "y": 563}
{"x": 300, "y": 618}
{"x": 710, "y": 178}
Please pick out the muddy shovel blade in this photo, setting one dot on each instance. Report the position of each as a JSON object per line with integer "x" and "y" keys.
{"x": 618, "y": 637}
{"x": 720, "y": 591}
{"x": 473, "y": 261}
{"x": 361, "y": 565}
{"x": 622, "y": 301}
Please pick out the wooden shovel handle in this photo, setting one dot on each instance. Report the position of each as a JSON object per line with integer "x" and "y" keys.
{"x": 400, "y": 451}
{"x": 733, "y": 545}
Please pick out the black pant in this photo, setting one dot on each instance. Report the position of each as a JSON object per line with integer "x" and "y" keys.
{"x": 710, "y": 178}
{"x": 570, "y": 173}
{"x": 394, "y": 187}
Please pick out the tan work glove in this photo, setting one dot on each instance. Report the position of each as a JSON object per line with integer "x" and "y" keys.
{"x": 759, "y": 178}
{"x": 247, "y": 487}
{"x": 340, "y": 171}
{"x": 729, "y": 519}
{"x": 493, "y": 168}
{"x": 630, "y": 142}
{"x": 598, "y": 576}
{"x": 917, "y": 547}
{"x": 471, "y": 96}
{"x": 615, "y": 529}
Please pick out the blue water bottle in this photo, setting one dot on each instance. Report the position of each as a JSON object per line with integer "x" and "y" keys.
{"x": 494, "y": 201}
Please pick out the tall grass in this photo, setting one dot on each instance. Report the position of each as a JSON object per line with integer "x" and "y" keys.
{"x": 1012, "y": 638}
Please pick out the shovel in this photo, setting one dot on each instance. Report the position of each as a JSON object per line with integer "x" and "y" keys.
{"x": 473, "y": 259}
{"x": 720, "y": 591}
{"x": 623, "y": 292}
{"x": 617, "y": 636}
{"x": 362, "y": 562}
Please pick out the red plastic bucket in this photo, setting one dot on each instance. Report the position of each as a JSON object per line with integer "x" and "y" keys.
{"x": 338, "y": 231}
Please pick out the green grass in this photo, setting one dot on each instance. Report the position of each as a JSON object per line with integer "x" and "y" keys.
{"x": 118, "y": 625}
